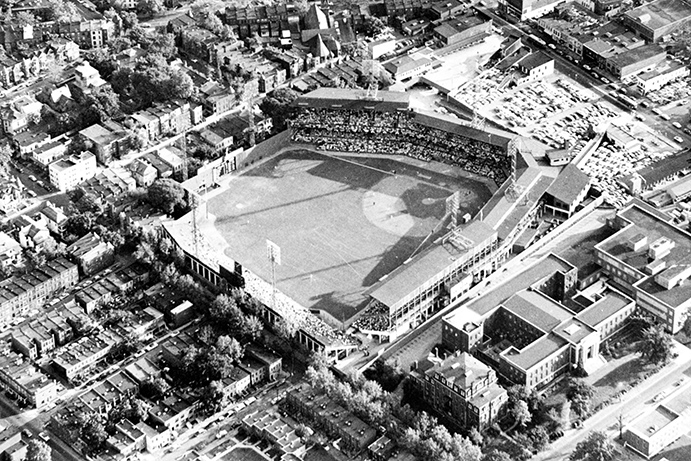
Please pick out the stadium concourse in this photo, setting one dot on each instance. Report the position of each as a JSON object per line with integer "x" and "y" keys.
{"x": 379, "y": 278}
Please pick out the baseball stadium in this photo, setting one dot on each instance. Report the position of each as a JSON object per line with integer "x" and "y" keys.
{"x": 372, "y": 217}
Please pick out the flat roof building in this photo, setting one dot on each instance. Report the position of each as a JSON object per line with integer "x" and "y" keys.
{"x": 658, "y": 18}
{"x": 650, "y": 258}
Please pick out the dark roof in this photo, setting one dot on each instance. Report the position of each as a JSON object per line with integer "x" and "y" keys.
{"x": 662, "y": 169}
{"x": 569, "y": 184}
{"x": 343, "y": 98}
{"x": 489, "y": 135}
{"x": 535, "y": 60}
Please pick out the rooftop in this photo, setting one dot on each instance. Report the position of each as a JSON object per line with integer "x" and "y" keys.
{"x": 386, "y": 101}
{"x": 569, "y": 184}
{"x": 535, "y": 60}
{"x": 537, "y": 309}
{"x": 460, "y": 370}
{"x": 642, "y": 222}
{"x": 535, "y": 352}
{"x": 539, "y": 271}
{"x": 604, "y": 308}
{"x": 660, "y": 13}
{"x": 636, "y": 55}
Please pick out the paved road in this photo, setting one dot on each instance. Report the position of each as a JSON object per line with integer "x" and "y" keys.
{"x": 633, "y": 404}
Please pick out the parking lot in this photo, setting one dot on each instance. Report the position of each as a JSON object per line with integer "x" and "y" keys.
{"x": 607, "y": 159}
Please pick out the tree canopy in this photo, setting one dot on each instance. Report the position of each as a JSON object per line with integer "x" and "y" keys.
{"x": 278, "y": 106}
{"x": 656, "y": 345}
{"x": 37, "y": 450}
{"x": 151, "y": 80}
{"x": 597, "y": 447}
{"x": 167, "y": 195}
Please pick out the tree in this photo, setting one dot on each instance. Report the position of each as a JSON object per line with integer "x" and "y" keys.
{"x": 64, "y": 12}
{"x": 88, "y": 203}
{"x": 372, "y": 26}
{"x": 163, "y": 44}
{"x": 388, "y": 373}
{"x": 579, "y": 394}
{"x": 129, "y": 19}
{"x": 230, "y": 347}
{"x": 597, "y": 447}
{"x": 278, "y": 106}
{"x": 212, "y": 398}
{"x": 179, "y": 85}
{"x": 521, "y": 413}
{"x": 167, "y": 195}
{"x": 23, "y": 19}
{"x": 92, "y": 431}
{"x": 37, "y": 450}
{"x": 150, "y": 7}
{"x": 78, "y": 224}
{"x": 301, "y": 7}
{"x": 252, "y": 327}
{"x": 656, "y": 345}
{"x": 539, "y": 437}
{"x": 154, "y": 388}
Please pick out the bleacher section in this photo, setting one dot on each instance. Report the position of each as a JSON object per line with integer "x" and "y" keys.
{"x": 345, "y": 122}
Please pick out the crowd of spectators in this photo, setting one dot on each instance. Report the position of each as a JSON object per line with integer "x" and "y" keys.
{"x": 397, "y": 133}
{"x": 375, "y": 318}
{"x": 295, "y": 314}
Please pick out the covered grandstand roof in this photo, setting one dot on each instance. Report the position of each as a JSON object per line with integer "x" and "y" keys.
{"x": 344, "y": 98}
{"x": 410, "y": 276}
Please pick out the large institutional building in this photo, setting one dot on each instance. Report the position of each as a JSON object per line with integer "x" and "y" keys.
{"x": 545, "y": 322}
{"x": 463, "y": 389}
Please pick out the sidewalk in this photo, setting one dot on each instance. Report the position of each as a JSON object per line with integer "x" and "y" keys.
{"x": 632, "y": 404}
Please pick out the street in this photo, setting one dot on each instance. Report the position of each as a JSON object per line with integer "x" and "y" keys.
{"x": 633, "y": 404}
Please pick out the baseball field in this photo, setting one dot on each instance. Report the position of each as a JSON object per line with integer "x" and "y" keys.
{"x": 341, "y": 222}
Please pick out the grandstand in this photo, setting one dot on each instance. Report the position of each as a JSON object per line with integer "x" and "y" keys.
{"x": 347, "y": 121}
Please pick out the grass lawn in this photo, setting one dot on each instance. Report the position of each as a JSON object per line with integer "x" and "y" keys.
{"x": 621, "y": 371}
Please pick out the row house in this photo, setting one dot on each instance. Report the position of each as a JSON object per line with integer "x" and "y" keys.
{"x": 21, "y": 294}
{"x": 265, "y": 21}
{"x": 33, "y": 339}
{"x": 293, "y": 62}
{"x": 167, "y": 119}
{"x": 334, "y": 420}
{"x": 174, "y": 411}
{"x": 73, "y": 360}
{"x": 88, "y": 34}
{"x": 105, "y": 395}
{"x": 50, "y": 152}
{"x": 277, "y": 430}
{"x": 42, "y": 335}
{"x": 26, "y": 142}
{"x": 216, "y": 98}
{"x": 19, "y": 376}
